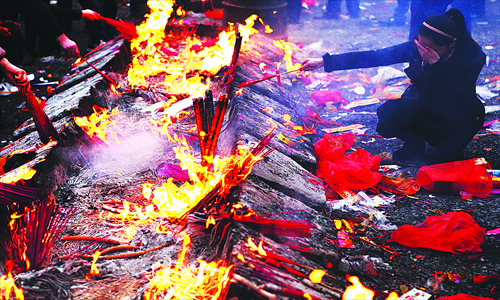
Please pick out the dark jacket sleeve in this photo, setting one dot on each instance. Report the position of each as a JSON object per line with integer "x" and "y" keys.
{"x": 367, "y": 59}
{"x": 39, "y": 13}
{"x": 2, "y": 53}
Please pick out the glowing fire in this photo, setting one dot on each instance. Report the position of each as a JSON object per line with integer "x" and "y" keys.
{"x": 288, "y": 50}
{"x": 392, "y": 296}
{"x": 316, "y": 275}
{"x": 188, "y": 71}
{"x": 94, "y": 271}
{"x": 23, "y": 172}
{"x": 181, "y": 281}
{"x": 8, "y": 288}
{"x": 357, "y": 291}
{"x": 97, "y": 123}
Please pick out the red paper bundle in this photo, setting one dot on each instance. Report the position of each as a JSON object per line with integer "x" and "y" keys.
{"x": 217, "y": 14}
{"x": 457, "y": 176}
{"x": 321, "y": 97}
{"x": 357, "y": 170}
{"x": 462, "y": 296}
{"x": 455, "y": 232}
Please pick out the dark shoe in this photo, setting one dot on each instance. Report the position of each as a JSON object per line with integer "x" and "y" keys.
{"x": 28, "y": 59}
{"x": 410, "y": 153}
{"x": 393, "y": 22}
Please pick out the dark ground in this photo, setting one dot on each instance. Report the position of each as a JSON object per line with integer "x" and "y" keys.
{"x": 412, "y": 267}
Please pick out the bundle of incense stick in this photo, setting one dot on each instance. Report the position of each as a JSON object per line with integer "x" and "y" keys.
{"x": 229, "y": 75}
{"x": 127, "y": 30}
{"x": 209, "y": 123}
{"x": 34, "y": 235}
{"x": 45, "y": 129}
{"x": 11, "y": 193}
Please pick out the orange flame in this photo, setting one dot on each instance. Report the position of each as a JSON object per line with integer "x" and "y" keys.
{"x": 392, "y": 296}
{"x": 23, "y": 172}
{"x": 316, "y": 275}
{"x": 252, "y": 245}
{"x": 94, "y": 271}
{"x": 288, "y": 51}
{"x": 209, "y": 281}
{"x": 210, "y": 220}
{"x": 173, "y": 202}
{"x": 357, "y": 291}
{"x": 261, "y": 250}
{"x": 97, "y": 123}
{"x": 8, "y": 286}
{"x": 187, "y": 71}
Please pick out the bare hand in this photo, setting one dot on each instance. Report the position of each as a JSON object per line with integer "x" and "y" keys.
{"x": 69, "y": 47}
{"x": 428, "y": 54}
{"x": 91, "y": 15}
{"x": 312, "y": 64}
{"x": 15, "y": 74}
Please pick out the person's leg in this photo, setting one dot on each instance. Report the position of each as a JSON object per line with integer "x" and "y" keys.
{"x": 399, "y": 16}
{"x": 294, "y": 8}
{"x": 332, "y": 9}
{"x": 353, "y": 8}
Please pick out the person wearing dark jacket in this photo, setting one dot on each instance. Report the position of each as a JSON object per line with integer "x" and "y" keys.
{"x": 440, "y": 107}
{"x": 46, "y": 22}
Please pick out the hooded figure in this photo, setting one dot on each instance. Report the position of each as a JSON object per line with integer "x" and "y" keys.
{"x": 440, "y": 107}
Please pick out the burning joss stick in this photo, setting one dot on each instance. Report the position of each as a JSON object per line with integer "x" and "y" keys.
{"x": 42, "y": 123}
{"x": 250, "y": 82}
{"x": 109, "y": 79}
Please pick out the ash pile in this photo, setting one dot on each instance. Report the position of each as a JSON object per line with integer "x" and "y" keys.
{"x": 174, "y": 174}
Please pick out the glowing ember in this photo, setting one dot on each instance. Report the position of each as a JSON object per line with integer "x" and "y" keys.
{"x": 252, "y": 245}
{"x": 8, "y": 288}
{"x": 94, "y": 271}
{"x": 261, "y": 250}
{"x": 22, "y": 173}
{"x": 208, "y": 281}
{"x": 288, "y": 50}
{"x": 316, "y": 275}
{"x": 392, "y": 296}
{"x": 97, "y": 123}
{"x": 357, "y": 291}
{"x": 210, "y": 221}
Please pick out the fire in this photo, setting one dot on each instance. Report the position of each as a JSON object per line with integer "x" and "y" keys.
{"x": 22, "y": 173}
{"x": 97, "y": 123}
{"x": 357, "y": 291}
{"x": 261, "y": 250}
{"x": 189, "y": 71}
{"x": 94, "y": 271}
{"x": 173, "y": 202}
{"x": 8, "y": 286}
{"x": 316, "y": 275}
{"x": 181, "y": 281}
{"x": 210, "y": 221}
{"x": 288, "y": 50}
{"x": 252, "y": 245}
{"x": 392, "y": 296}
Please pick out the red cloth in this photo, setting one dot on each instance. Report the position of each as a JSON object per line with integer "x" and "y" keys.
{"x": 455, "y": 232}
{"x": 463, "y": 297}
{"x": 357, "y": 170}
{"x": 321, "y": 97}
